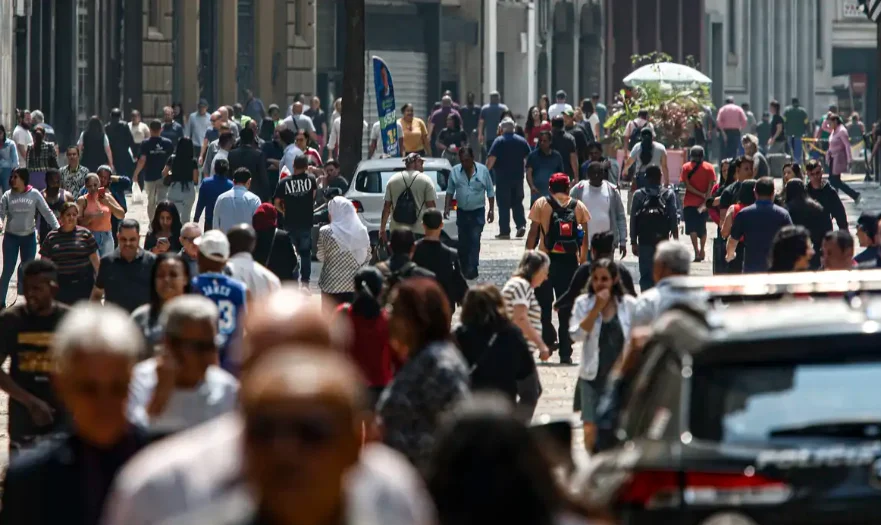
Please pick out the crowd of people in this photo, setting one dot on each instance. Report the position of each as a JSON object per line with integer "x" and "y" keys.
{"x": 180, "y": 380}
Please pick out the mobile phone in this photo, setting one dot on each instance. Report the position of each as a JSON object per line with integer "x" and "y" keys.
{"x": 101, "y": 192}
{"x": 162, "y": 240}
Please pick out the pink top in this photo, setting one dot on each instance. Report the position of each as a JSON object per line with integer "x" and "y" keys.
{"x": 731, "y": 116}
{"x": 838, "y": 156}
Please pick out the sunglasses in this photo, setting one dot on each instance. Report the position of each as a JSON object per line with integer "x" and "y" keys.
{"x": 311, "y": 430}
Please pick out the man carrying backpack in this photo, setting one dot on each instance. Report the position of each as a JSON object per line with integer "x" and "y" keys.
{"x": 653, "y": 219}
{"x": 554, "y": 229}
{"x": 408, "y": 194}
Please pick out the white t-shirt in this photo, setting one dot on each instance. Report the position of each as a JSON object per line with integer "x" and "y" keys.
{"x": 215, "y": 395}
{"x": 139, "y": 132}
{"x": 598, "y": 202}
{"x": 259, "y": 280}
{"x": 24, "y": 138}
{"x": 557, "y": 109}
{"x": 374, "y": 136}
{"x": 594, "y": 121}
{"x": 518, "y": 291}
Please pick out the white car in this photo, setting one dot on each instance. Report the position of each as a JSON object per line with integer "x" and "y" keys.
{"x": 367, "y": 191}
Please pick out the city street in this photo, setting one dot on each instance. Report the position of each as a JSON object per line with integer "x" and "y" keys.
{"x": 498, "y": 260}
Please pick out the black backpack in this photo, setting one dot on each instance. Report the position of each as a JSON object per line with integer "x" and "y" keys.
{"x": 394, "y": 277}
{"x": 652, "y": 222}
{"x": 406, "y": 211}
{"x": 562, "y": 234}
{"x": 634, "y": 136}
{"x": 588, "y": 131}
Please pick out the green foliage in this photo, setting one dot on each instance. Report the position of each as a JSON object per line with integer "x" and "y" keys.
{"x": 673, "y": 111}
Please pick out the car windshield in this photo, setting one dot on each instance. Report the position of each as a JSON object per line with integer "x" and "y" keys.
{"x": 755, "y": 403}
{"x": 375, "y": 181}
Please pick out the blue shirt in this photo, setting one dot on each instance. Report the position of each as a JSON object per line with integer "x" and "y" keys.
{"x": 470, "y": 192}
{"x": 543, "y": 166}
{"x": 173, "y": 132}
{"x": 229, "y": 295}
{"x": 758, "y": 224}
{"x": 510, "y": 151}
{"x": 233, "y": 207}
{"x": 211, "y": 188}
{"x": 8, "y": 155}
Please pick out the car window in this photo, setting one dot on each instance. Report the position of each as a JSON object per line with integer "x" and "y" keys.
{"x": 758, "y": 402}
{"x": 375, "y": 181}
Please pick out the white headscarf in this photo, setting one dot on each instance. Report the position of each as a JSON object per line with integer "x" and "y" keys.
{"x": 347, "y": 229}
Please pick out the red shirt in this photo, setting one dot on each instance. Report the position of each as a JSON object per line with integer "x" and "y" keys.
{"x": 702, "y": 180}
{"x": 533, "y": 133}
{"x": 369, "y": 346}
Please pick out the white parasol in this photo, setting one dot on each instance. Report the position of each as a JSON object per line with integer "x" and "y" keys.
{"x": 667, "y": 73}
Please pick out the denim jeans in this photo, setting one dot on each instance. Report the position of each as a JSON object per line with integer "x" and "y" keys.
{"x": 646, "y": 267}
{"x": 302, "y": 241}
{"x": 470, "y": 225}
{"x": 5, "y": 173}
{"x": 105, "y": 243}
{"x": 509, "y": 196}
{"x": 13, "y": 246}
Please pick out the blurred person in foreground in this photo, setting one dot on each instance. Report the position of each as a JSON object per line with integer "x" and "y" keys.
{"x": 791, "y": 250}
{"x": 514, "y": 481}
{"x": 169, "y": 278}
{"x": 26, "y": 331}
{"x": 94, "y": 351}
{"x": 867, "y": 235}
{"x": 434, "y": 376}
{"x": 203, "y": 466}
{"x": 257, "y": 278}
{"x": 498, "y": 355}
{"x": 301, "y": 442}
{"x": 838, "y": 251}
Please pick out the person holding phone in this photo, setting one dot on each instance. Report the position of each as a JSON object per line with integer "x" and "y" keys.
{"x": 164, "y": 234}
{"x": 96, "y": 208}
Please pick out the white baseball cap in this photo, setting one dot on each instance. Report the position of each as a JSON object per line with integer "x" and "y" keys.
{"x": 214, "y": 245}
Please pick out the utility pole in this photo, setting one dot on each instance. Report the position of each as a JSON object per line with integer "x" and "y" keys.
{"x": 352, "y": 118}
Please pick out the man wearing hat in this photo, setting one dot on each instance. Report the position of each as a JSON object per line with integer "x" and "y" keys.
{"x": 560, "y": 106}
{"x": 867, "y": 235}
{"x": 197, "y": 125}
{"x": 407, "y": 195}
{"x": 230, "y": 295}
{"x": 507, "y": 156}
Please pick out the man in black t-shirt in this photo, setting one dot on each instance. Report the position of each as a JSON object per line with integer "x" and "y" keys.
{"x": 26, "y": 331}
{"x": 564, "y": 144}
{"x": 295, "y": 198}
{"x": 155, "y": 152}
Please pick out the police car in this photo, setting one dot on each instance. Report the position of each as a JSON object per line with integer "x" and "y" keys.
{"x": 769, "y": 413}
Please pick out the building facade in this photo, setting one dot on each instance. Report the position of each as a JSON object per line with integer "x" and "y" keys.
{"x": 761, "y": 50}
{"x": 77, "y": 58}
{"x": 854, "y": 52}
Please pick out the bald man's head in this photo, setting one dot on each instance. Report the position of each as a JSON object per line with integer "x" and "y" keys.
{"x": 302, "y": 409}
{"x": 288, "y": 316}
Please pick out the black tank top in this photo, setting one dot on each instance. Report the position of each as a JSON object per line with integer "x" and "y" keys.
{"x": 93, "y": 151}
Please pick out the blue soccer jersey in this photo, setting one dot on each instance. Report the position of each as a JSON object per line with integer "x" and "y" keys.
{"x": 229, "y": 295}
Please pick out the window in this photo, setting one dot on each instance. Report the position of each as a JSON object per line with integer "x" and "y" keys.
{"x": 154, "y": 16}
{"x": 758, "y": 403}
{"x": 375, "y": 181}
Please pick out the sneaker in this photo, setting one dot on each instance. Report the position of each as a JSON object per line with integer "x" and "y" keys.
{"x": 521, "y": 232}
{"x": 503, "y": 236}
{"x": 566, "y": 361}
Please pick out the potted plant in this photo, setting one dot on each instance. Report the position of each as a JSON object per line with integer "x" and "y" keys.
{"x": 673, "y": 111}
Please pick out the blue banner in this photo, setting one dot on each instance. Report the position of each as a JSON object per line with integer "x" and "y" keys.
{"x": 385, "y": 105}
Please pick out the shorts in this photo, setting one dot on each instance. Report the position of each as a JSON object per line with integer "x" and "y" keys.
{"x": 695, "y": 221}
{"x": 589, "y": 398}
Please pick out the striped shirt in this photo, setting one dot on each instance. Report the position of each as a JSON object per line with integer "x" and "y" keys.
{"x": 340, "y": 266}
{"x": 69, "y": 251}
{"x": 518, "y": 291}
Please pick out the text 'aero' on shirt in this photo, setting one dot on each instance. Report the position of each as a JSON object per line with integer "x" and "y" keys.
{"x": 298, "y": 194}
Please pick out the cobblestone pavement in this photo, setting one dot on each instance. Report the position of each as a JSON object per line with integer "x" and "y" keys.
{"x": 498, "y": 260}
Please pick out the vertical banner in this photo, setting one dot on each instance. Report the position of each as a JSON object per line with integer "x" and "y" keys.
{"x": 385, "y": 105}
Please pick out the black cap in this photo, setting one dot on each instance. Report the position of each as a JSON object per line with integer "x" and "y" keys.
{"x": 203, "y": 102}
{"x": 868, "y": 222}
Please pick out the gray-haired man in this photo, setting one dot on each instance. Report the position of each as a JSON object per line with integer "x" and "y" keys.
{"x": 671, "y": 259}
